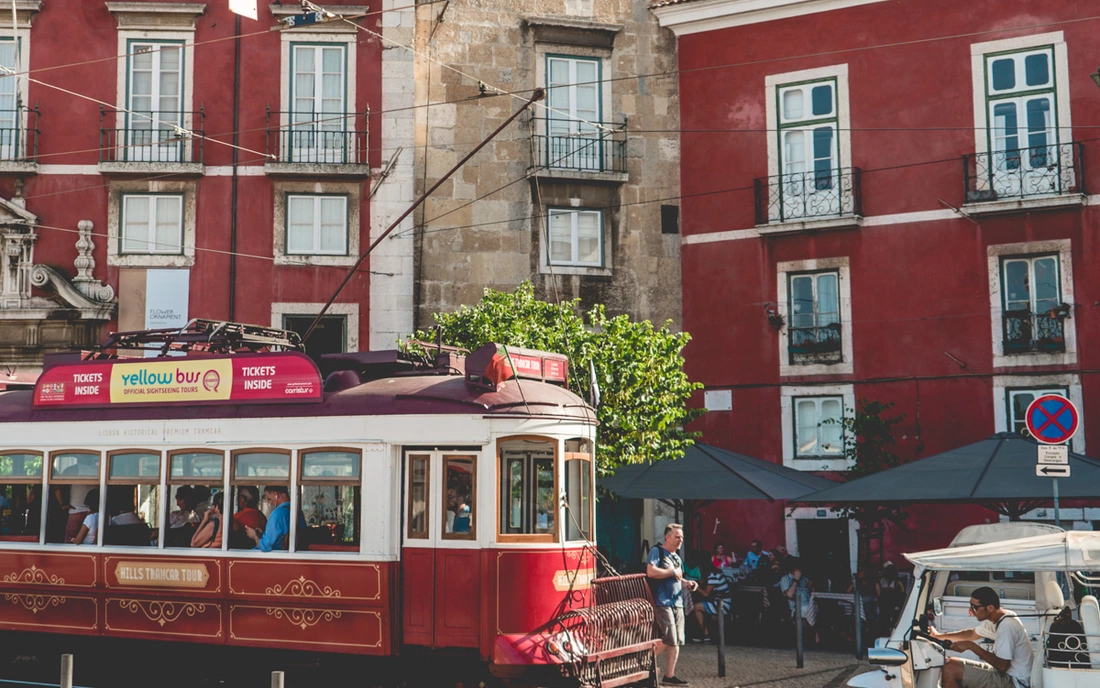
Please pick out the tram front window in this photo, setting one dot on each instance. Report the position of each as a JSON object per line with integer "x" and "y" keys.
{"x": 20, "y": 496}
{"x": 194, "y": 477}
{"x": 527, "y": 487}
{"x": 578, "y": 489}
{"x": 133, "y": 498}
{"x": 329, "y": 500}
{"x": 73, "y": 474}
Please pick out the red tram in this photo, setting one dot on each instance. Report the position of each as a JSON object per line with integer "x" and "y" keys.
{"x": 438, "y": 505}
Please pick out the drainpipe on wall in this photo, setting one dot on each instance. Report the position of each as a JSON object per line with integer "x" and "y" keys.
{"x": 236, "y": 153}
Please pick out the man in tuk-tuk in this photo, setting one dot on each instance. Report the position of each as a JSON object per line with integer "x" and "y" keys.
{"x": 1007, "y": 666}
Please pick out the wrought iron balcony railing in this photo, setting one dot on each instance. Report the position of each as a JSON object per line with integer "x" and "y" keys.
{"x": 318, "y": 138}
{"x": 1027, "y": 332}
{"x": 19, "y": 134}
{"x": 1024, "y": 173}
{"x": 812, "y": 195}
{"x": 595, "y": 150}
{"x": 820, "y": 344}
{"x": 150, "y": 137}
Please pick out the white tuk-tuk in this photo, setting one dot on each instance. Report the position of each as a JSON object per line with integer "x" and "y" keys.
{"x": 1032, "y": 567}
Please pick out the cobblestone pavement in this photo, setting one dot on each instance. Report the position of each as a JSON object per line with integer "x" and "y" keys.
{"x": 765, "y": 667}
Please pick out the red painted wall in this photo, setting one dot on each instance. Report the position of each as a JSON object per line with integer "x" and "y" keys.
{"x": 920, "y": 290}
{"x": 68, "y": 32}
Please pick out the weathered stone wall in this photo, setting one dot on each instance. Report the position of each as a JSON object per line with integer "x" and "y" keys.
{"x": 472, "y": 233}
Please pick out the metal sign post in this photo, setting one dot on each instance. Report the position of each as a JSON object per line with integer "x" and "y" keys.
{"x": 1052, "y": 420}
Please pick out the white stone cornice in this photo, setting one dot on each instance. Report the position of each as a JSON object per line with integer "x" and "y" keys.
{"x": 712, "y": 15}
{"x": 156, "y": 15}
{"x": 24, "y": 13}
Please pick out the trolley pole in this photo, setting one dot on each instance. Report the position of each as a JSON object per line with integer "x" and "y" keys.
{"x": 66, "y": 671}
{"x": 797, "y": 628}
{"x": 721, "y": 602}
{"x": 536, "y": 96}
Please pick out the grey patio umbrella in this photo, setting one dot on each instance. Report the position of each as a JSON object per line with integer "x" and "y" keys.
{"x": 998, "y": 472}
{"x": 706, "y": 473}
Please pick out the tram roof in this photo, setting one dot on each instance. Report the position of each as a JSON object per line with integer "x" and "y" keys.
{"x": 417, "y": 395}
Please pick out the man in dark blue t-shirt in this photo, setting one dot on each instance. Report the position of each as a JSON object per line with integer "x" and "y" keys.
{"x": 664, "y": 567}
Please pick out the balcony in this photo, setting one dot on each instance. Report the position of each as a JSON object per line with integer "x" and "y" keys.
{"x": 800, "y": 201}
{"x": 1026, "y": 332}
{"x": 139, "y": 142}
{"x": 19, "y": 140}
{"x": 1024, "y": 179}
{"x": 597, "y": 154}
{"x": 317, "y": 143}
{"x": 810, "y": 345}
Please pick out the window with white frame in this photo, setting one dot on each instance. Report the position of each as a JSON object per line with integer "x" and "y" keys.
{"x": 573, "y": 105}
{"x": 1023, "y": 122}
{"x": 11, "y": 116}
{"x": 1017, "y": 401}
{"x": 818, "y": 427}
{"x": 316, "y": 225}
{"x": 154, "y": 101}
{"x": 576, "y": 237}
{"x": 808, "y": 149}
{"x": 319, "y": 125}
{"x": 151, "y": 223}
{"x": 1033, "y": 314}
{"x": 814, "y": 334}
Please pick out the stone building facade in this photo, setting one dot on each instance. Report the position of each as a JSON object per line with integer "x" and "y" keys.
{"x": 578, "y": 195}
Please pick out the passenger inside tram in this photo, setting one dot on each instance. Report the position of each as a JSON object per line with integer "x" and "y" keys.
{"x": 248, "y": 514}
{"x": 125, "y": 526}
{"x": 88, "y": 533}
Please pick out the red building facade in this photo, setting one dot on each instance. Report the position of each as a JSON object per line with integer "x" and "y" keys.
{"x": 220, "y": 168}
{"x": 886, "y": 201}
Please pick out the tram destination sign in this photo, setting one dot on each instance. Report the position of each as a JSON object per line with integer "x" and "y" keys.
{"x": 241, "y": 379}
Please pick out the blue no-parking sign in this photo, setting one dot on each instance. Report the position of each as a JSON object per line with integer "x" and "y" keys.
{"x": 1051, "y": 419}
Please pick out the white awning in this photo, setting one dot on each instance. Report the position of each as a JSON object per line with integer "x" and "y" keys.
{"x": 1069, "y": 551}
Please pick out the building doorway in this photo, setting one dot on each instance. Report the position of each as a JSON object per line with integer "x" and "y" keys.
{"x": 826, "y": 544}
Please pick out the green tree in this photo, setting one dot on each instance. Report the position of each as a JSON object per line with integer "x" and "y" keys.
{"x": 644, "y": 391}
{"x": 868, "y": 447}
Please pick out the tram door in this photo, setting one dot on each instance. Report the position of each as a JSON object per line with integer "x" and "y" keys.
{"x": 440, "y": 559}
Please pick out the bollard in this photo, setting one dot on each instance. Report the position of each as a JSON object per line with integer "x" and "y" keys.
{"x": 721, "y": 636}
{"x": 859, "y": 618}
{"x": 66, "y": 671}
{"x": 276, "y": 679}
{"x": 797, "y": 627}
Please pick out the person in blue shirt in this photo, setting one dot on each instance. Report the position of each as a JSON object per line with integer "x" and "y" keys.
{"x": 277, "y": 531}
{"x": 666, "y": 571}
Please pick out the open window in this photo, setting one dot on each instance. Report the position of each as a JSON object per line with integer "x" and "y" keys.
{"x": 194, "y": 478}
{"x": 133, "y": 498}
{"x": 329, "y": 496}
{"x": 253, "y": 471}
{"x": 73, "y": 475}
{"x": 528, "y": 489}
{"x": 21, "y": 495}
{"x": 459, "y": 508}
{"x": 578, "y": 489}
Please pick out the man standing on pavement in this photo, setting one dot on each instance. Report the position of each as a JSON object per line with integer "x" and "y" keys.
{"x": 666, "y": 571}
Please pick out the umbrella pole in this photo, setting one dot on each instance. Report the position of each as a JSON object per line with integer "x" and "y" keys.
{"x": 1057, "y": 518}
{"x": 797, "y": 627}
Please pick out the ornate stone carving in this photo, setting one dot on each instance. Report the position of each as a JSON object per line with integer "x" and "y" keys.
{"x": 85, "y": 263}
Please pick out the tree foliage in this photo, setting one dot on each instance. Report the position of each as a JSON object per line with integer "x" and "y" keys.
{"x": 868, "y": 446}
{"x": 644, "y": 391}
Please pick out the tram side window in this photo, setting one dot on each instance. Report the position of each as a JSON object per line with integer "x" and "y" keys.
{"x": 418, "y": 496}
{"x": 255, "y": 470}
{"x": 73, "y": 475}
{"x": 578, "y": 489}
{"x": 329, "y": 497}
{"x": 194, "y": 479}
{"x": 458, "y": 512}
{"x": 527, "y": 487}
{"x": 20, "y": 496}
{"x": 133, "y": 498}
